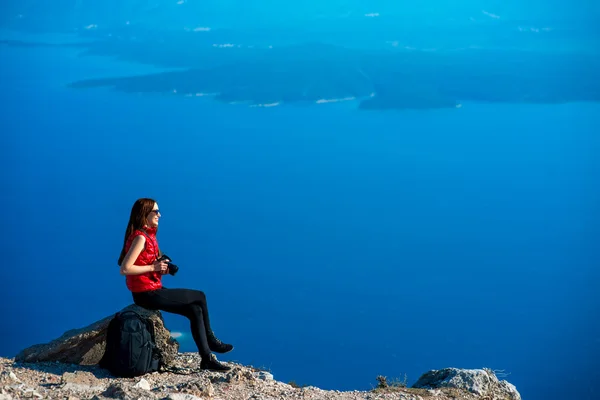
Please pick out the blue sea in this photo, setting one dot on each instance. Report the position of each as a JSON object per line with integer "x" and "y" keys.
{"x": 334, "y": 245}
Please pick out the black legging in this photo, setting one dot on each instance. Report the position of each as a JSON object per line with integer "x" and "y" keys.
{"x": 187, "y": 302}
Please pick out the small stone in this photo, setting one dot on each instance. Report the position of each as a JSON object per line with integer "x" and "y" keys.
{"x": 265, "y": 376}
{"x": 143, "y": 384}
{"x": 209, "y": 389}
{"x": 182, "y": 396}
{"x": 80, "y": 378}
{"x": 13, "y": 376}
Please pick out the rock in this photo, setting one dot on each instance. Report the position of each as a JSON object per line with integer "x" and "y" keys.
{"x": 181, "y": 396}
{"x": 78, "y": 346}
{"x": 73, "y": 382}
{"x": 86, "y": 346}
{"x": 122, "y": 391}
{"x": 265, "y": 376}
{"x": 31, "y": 393}
{"x": 482, "y": 382}
{"x": 79, "y": 377}
{"x": 80, "y": 381}
{"x": 9, "y": 377}
{"x": 12, "y": 376}
{"x": 201, "y": 387}
{"x": 237, "y": 374}
{"x": 143, "y": 384}
{"x": 510, "y": 389}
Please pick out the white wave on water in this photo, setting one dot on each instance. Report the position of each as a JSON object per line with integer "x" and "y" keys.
{"x": 324, "y": 101}
{"x": 225, "y": 45}
{"x": 372, "y": 15}
{"x": 198, "y": 94}
{"x": 489, "y": 14}
{"x": 266, "y": 104}
{"x": 176, "y": 335}
{"x": 533, "y": 29}
{"x": 197, "y": 29}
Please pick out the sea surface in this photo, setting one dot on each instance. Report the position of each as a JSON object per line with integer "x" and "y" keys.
{"x": 334, "y": 244}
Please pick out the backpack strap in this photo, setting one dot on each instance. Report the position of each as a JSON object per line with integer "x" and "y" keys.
{"x": 181, "y": 370}
{"x": 156, "y": 356}
{"x": 129, "y": 312}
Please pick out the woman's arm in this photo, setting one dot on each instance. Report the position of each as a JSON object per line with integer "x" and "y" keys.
{"x": 127, "y": 266}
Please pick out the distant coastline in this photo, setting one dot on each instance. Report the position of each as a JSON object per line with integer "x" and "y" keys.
{"x": 317, "y": 73}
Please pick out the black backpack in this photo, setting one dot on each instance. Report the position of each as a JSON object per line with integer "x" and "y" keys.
{"x": 130, "y": 346}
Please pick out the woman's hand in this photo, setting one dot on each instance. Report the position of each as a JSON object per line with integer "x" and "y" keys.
{"x": 160, "y": 266}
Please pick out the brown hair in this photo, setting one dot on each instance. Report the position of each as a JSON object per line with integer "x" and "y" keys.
{"x": 137, "y": 220}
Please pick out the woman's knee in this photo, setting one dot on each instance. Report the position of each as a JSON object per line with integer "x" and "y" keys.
{"x": 200, "y": 297}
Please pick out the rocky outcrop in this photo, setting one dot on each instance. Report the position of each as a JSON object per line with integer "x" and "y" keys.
{"x": 86, "y": 346}
{"x": 66, "y": 381}
{"x": 482, "y": 382}
{"x": 65, "y": 368}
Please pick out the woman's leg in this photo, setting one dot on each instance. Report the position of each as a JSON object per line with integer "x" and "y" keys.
{"x": 170, "y": 303}
{"x": 191, "y": 296}
{"x": 197, "y": 297}
{"x": 174, "y": 301}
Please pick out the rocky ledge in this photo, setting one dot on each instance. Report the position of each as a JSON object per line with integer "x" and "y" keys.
{"x": 55, "y": 380}
{"x": 66, "y": 368}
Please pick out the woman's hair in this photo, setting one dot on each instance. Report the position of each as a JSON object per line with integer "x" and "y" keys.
{"x": 137, "y": 220}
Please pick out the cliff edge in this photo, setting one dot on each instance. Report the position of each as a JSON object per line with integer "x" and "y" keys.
{"x": 66, "y": 368}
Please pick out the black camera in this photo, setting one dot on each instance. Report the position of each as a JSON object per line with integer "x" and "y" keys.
{"x": 172, "y": 268}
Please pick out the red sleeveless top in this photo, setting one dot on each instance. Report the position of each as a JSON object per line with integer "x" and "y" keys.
{"x": 148, "y": 280}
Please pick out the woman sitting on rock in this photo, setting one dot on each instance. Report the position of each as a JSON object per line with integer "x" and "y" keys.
{"x": 139, "y": 262}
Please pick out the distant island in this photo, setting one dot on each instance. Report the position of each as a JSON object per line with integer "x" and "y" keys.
{"x": 380, "y": 80}
{"x": 318, "y": 73}
{"x": 23, "y": 43}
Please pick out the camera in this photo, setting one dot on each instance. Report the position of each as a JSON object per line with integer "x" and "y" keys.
{"x": 172, "y": 268}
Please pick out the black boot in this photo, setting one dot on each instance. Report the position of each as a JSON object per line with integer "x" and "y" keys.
{"x": 211, "y": 363}
{"x": 216, "y": 345}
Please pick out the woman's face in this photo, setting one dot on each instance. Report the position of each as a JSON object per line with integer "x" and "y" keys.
{"x": 152, "y": 218}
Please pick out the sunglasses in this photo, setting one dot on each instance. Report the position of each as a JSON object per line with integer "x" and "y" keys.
{"x": 155, "y": 211}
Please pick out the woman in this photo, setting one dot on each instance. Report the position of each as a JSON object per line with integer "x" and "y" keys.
{"x": 139, "y": 262}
